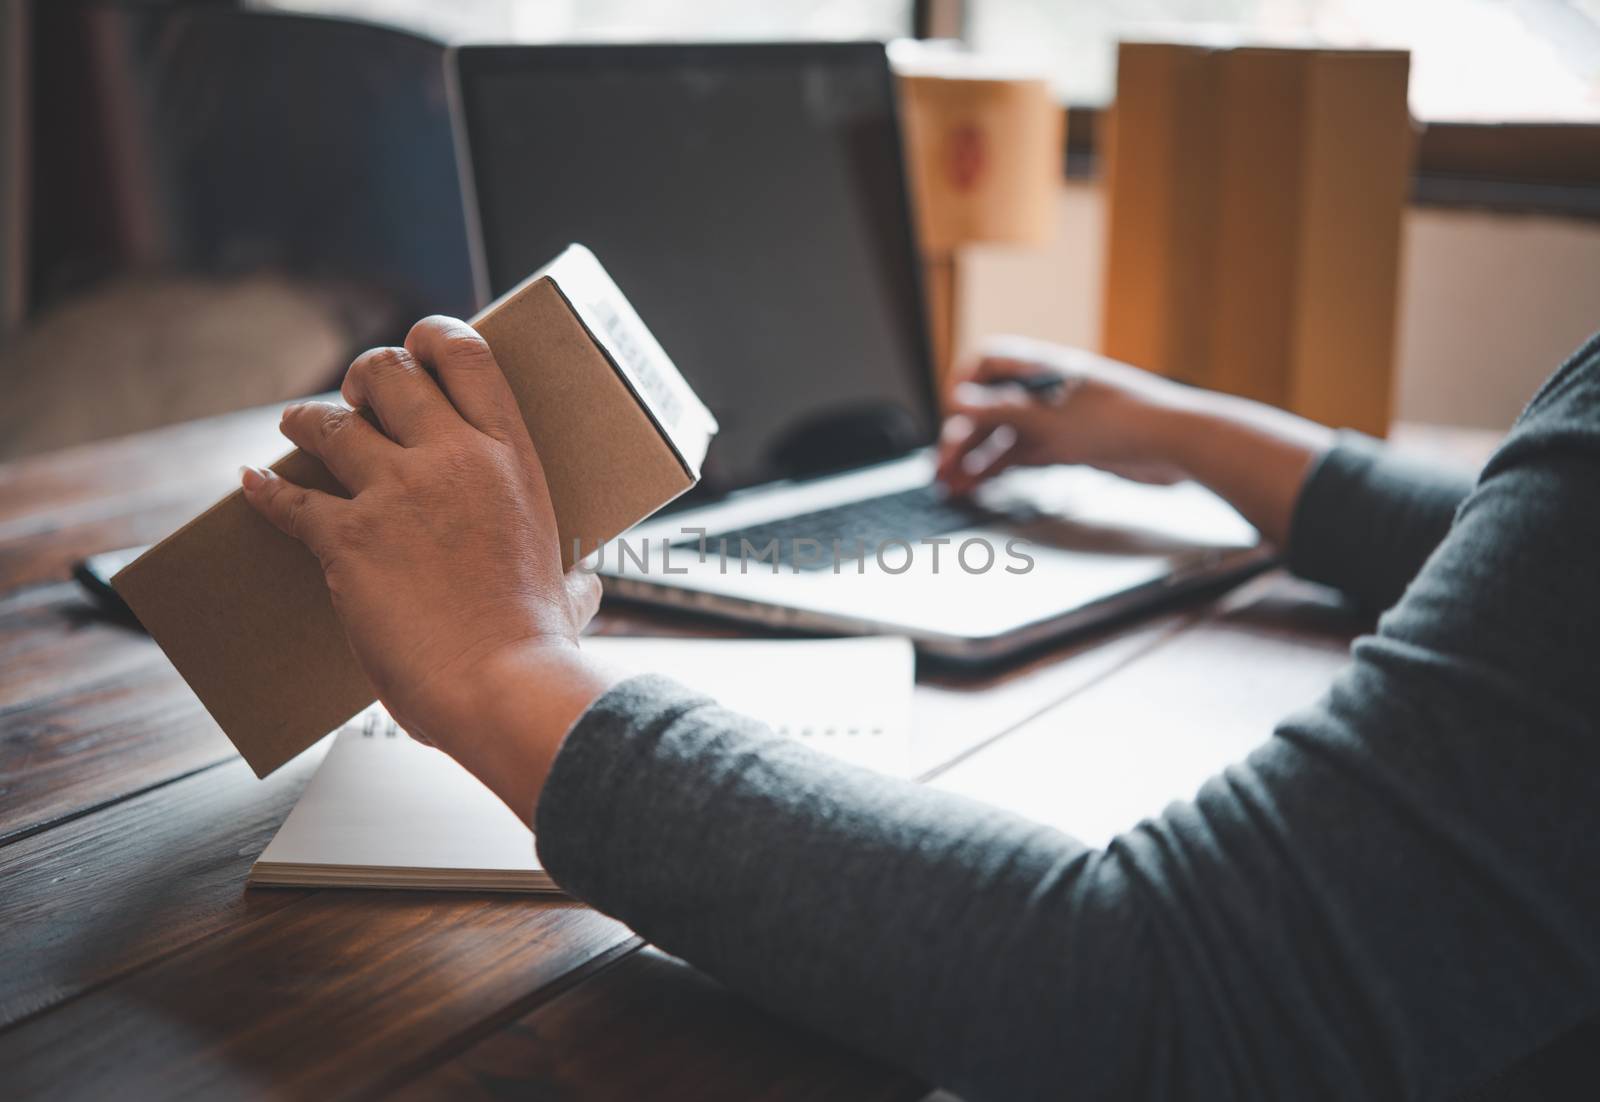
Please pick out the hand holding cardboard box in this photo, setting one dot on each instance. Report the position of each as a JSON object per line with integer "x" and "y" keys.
{"x": 242, "y": 610}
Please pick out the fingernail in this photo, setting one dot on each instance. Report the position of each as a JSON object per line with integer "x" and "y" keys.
{"x": 251, "y": 478}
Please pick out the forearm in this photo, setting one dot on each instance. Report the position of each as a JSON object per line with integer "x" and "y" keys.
{"x": 1328, "y": 920}
{"x": 921, "y": 927}
{"x": 519, "y": 706}
{"x": 1253, "y": 456}
{"x": 1370, "y": 906}
{"x": 1367, "y": 519}
{"x": 1347, "y": 511}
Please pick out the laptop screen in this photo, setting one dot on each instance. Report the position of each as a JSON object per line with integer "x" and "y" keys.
{"x": 750, "y": 202}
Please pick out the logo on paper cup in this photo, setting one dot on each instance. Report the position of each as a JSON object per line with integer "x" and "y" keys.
{"x": 965, "y": 155}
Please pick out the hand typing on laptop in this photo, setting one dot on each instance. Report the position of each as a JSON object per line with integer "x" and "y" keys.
{"x": 1030, "y": 403}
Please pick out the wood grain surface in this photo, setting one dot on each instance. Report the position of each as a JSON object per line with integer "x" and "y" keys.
{"x": 109, "y": 892}
{"x": 652, "y": 1027}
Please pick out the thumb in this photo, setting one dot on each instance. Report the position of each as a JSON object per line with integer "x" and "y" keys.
{"x": 583, "y": 594}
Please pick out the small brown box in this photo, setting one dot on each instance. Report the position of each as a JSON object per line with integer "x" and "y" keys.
{"x": 242, "y": 610}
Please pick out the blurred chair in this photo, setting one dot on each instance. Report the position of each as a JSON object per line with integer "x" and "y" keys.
{"x": 226, "y": 206}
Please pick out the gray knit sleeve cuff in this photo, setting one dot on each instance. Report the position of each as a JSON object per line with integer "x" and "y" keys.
{"x": 577, "y": 813}
{"x": 1367, "y": 519}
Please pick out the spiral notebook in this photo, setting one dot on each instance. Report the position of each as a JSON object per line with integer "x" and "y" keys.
{"x": 384, "y": 811}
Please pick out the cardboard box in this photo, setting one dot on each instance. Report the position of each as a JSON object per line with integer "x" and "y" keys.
{"x": 1255, "y": 199}
{"x": 242, "y": 610}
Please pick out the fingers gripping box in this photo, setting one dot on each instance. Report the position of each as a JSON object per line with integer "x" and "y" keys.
{"x": 241, "y": 609}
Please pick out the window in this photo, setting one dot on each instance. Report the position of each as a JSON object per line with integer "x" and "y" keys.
{"x": 1472, "y": 60}
{"x": 623, "y": 20}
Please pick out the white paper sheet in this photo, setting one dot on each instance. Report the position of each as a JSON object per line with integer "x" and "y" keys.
{"x": 386, "y": 811}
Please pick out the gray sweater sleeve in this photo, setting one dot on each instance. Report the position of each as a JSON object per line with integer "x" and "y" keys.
{"x": 1393, "y": 896}
{"x": 1367, "y": 519}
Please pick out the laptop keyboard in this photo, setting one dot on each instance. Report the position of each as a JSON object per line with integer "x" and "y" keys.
{"x": 908, "y": 515}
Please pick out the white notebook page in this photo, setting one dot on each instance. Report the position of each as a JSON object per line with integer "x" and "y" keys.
{"x": 381, "y": 800}
{"x": 848, "y": 697}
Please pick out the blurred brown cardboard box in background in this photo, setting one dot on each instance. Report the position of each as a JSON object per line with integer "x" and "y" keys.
{"x": 242, "y": 610}
{"x": 1255, "y": 199}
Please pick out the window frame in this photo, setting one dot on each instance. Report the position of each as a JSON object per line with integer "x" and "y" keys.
{"x": 1522, "y": 167}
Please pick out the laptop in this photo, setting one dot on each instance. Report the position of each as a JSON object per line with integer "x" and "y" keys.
{"x": 751, "y": 201}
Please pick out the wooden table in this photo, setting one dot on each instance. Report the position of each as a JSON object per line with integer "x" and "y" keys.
{"x": 134, "y": 961}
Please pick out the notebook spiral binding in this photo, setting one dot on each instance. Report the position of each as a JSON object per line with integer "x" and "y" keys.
{"x": 372, "y": 726}
{"x": 808, "y": 732}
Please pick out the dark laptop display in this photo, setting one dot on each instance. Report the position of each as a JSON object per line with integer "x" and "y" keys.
{"x": 750, "y": 201}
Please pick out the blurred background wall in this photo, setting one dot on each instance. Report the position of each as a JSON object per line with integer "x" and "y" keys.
{"x": 1490, "y": 301}
{"x": 209, "y": 204}
{"x": 212, "y": 207}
